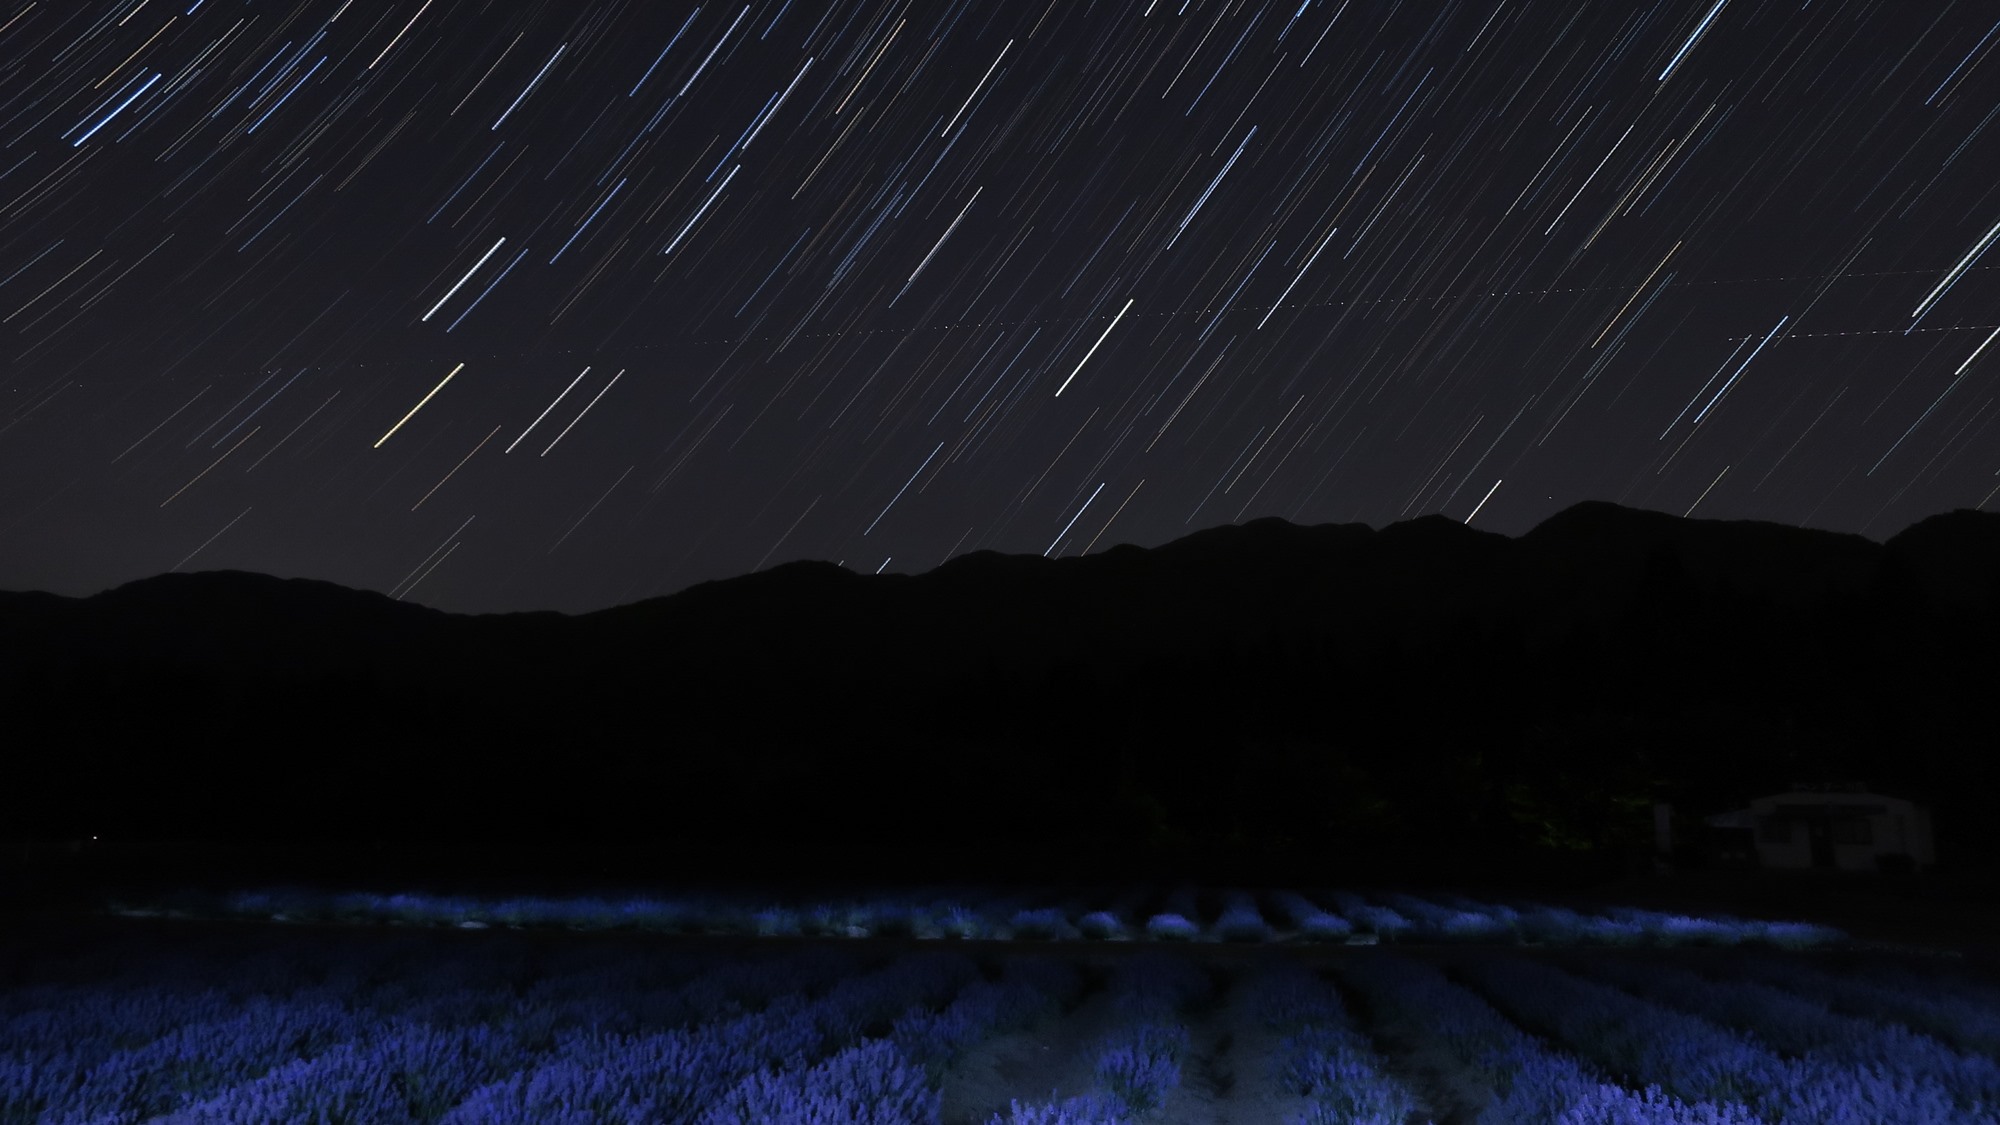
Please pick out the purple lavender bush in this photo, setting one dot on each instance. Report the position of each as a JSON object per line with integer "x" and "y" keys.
{"x": 1240, "y": 920}
{"x": 869, "y": 1084}
{"x": 1309, "y": 921}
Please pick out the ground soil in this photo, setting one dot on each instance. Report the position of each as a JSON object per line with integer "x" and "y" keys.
{"x": 1226, "y": 1078}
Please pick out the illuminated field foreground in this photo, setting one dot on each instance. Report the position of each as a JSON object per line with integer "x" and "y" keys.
{"x": 457, "y": 1019}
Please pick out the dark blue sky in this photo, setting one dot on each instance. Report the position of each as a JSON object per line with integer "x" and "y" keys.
{"x": 676, "y": 292}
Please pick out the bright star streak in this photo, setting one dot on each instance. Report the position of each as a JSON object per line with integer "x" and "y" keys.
{"x": 1739, "y": 371}
{"x": 1484, "y": 499}
{"x": 463, "y": 280}
{"x": 1275, "y": 305}
{"x": 1094, "y": 347}
{"x": 1957, "y": 271}
{"x": 400, "y": 34}
{"x": 712, "y": 50}
{"x": 417, "y": 407}
{"x": 121, "y": 106}
{"x": 976, "y": 89}
{"x": 703, "y": 208}
{"x": 1699, "y": 28}
{"x": 764, "y": 120}
{"x": 531, "y": 86}
{"x": 934, "y": 249}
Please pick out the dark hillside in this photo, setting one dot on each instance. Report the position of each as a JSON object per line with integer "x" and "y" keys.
{"x": 1292, "y": 701}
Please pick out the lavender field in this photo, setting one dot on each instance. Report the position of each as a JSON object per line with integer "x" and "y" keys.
{"x": 1237, "y": 1007}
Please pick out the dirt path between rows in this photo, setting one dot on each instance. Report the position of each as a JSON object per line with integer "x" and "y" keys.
{"x": 1230, "y": 1076}
{"x": 1046, "y": 1061}
{"x": 1227, "y": 1077}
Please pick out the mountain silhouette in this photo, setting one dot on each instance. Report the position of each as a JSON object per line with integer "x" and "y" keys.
{"x": 1263, "y": 698}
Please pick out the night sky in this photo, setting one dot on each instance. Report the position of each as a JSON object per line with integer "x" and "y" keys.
{"x": 496, "y": 305}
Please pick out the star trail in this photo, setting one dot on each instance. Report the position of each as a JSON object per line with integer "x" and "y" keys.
{"x": 500, "y": 305}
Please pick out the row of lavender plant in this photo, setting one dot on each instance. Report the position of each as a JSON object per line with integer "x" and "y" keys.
{"x": 1178, "y": 920}
{"x": 1629, "y": 926}
{"x": 472, "y": 1035}
{"x": 894, "y": 1080}
{"x": 1138, "y": 1064}
{"x": 1308, "y": 921}
{"x": 1321, "y": 1055}
{"x": 1530, "y": 1084}
{"x": 1697, "y": 1059}
{"x": 1112, "y": 923}
{"x": 707, "y": 1074}
{"x": 403, "y": 1071}
{"x": 969, "y": 914}
{"x": 1803, "y": 1026}
{"x": 1453, "y": 918}
{"x": 1950, "y": 1009}
{"x": 795, "y": 1061}
{"x": 440, "y": 1005}
{"x": 83, "y": 1044}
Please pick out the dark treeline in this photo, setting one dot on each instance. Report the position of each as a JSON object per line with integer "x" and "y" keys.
{"x": 1264, "y": 702}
